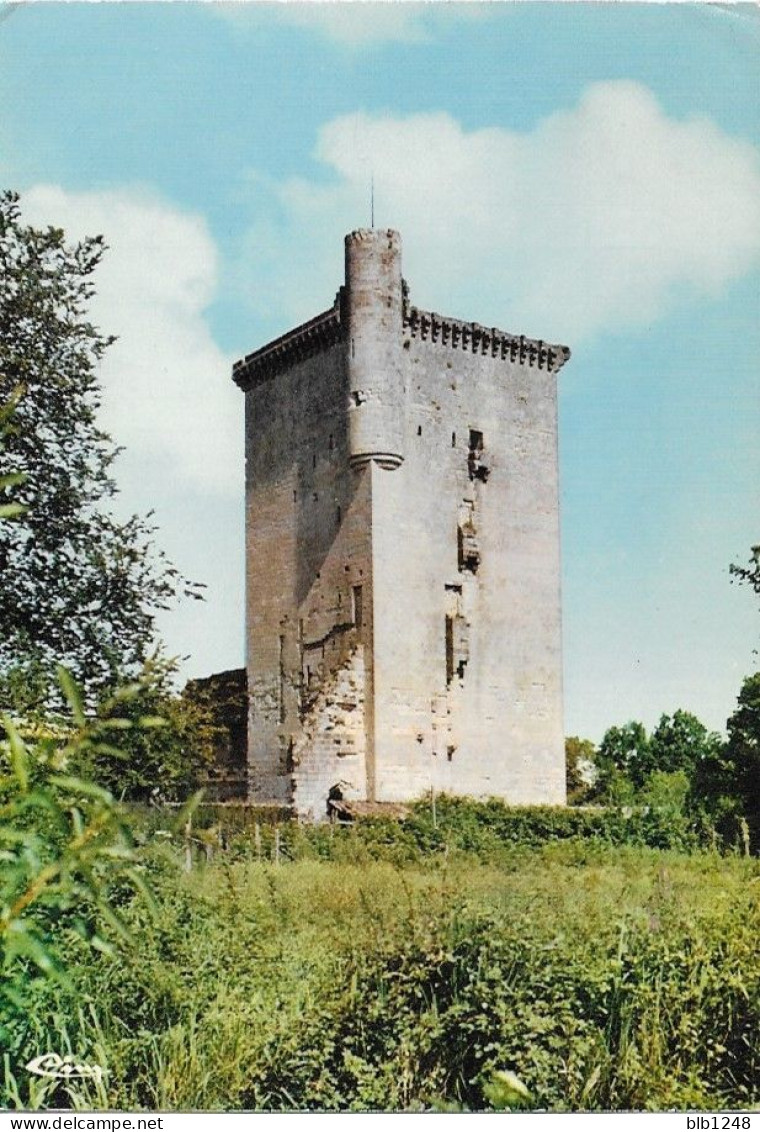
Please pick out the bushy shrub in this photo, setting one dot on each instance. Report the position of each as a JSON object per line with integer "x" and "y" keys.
{"x": 489, "y": 828}
{"x": 66, "y": 849}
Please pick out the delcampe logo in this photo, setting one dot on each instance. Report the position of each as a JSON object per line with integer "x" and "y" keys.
{"x": 66, "y": 1068}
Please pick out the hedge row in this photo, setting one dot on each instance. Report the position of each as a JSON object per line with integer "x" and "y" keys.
{"x": 458, "y": 824}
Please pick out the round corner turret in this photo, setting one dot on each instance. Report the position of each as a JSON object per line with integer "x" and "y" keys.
{"x": 374, "y": 304}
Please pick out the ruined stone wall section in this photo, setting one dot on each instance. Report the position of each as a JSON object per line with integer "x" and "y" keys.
{"x": 329, "y": 755}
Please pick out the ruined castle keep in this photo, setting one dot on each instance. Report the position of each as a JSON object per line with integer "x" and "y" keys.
{"x": 403, "y": 562}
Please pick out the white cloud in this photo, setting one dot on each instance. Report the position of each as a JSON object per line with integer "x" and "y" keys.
{"x": 168, "y": 397}
{"x": 601, "y": 218}
{"x": 356, "y": 24}
{"x": 359, "y": 24}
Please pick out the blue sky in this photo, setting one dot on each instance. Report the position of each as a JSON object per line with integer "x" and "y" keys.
{"x": 578, "y": 171}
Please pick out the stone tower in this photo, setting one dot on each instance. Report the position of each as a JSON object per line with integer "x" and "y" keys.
{"x": 402, "y": 543}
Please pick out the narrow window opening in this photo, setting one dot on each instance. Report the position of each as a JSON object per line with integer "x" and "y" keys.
{"x": 453, "y": 440}
{"x": 450, "y": 752}
{"x": 357, "y": 610}
{"x": 339, "y": 514}
{"x": 314, "y": 461}
{"x": 449, "y": 650}
{"x": 315, "y": 497}
{"x": 457, "y": 646}
{"x": 476, "y": 465}
{"x": 281, "y": 668}
{"x": 295, "y": 496}
{"x": 330, "y": 442}
{"x": 419, "y": 430}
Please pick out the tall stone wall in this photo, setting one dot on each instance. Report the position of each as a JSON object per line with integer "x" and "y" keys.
{"x": 308, "y": 566}
{"x": 468, "y": 662}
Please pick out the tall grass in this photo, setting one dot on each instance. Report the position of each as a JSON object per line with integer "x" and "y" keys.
{"x": 602, "y": 977}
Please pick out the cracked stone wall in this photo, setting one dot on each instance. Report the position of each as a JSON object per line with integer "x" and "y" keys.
{"x": 329, "y": 753}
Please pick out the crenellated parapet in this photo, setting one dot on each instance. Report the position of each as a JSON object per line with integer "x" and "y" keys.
{"x": 329, "y": 327}
{"x": 428, "y": 326}
{"x": 312, "y": 337}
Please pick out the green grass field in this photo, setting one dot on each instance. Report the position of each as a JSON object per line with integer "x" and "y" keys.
{"x": 358, "y": 973}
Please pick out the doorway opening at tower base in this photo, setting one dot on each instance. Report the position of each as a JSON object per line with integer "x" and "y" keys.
{"x": 334, "y": 798}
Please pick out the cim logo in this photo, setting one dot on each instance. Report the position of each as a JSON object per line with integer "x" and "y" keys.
{"x": 65, "y": 1068}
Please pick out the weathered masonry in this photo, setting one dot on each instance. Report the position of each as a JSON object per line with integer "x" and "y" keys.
{"x": 403, "y": 570}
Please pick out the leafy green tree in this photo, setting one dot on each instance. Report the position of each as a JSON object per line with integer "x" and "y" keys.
{"x": 749, "y": 573}
{"x": 628, "y": 758}
{"x": 623, "y": 763}
{"x": 667, "y": 792}
{"x": 64, "y": 843}
{"x": 158, "y": 744}
{"x": 743, "y": 753}
{"x": 680, "y": 743}
{"x": 727, "y": 785}
{"x": 580, "y": 770}
{"x": 77, "y": 586}
{"x": 744, "y": 741}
